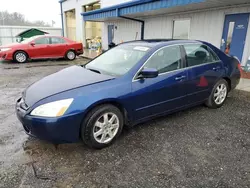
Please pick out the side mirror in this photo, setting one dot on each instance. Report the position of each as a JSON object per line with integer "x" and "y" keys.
{"x": 32, "y": 43}
{"x": 149, "y": 73}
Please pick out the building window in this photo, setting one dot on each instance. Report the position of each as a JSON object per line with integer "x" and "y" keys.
{"x": 93, "y": 30}
{"x": 181, "y": 29}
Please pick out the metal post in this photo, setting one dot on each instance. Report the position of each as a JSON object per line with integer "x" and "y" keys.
{"x": 142, "y": 30}
{"x": 62, "y": 18}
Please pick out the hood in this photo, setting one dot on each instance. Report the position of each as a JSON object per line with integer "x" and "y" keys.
{"x": 12, "y": 45}
{"x": 64, "y": 80}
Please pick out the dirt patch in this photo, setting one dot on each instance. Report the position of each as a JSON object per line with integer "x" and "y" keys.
{"x": 198, "y": 147}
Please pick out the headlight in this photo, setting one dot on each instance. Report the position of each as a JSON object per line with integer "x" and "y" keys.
{"x": 52, "y": 109}
{"x": 5, "y": 49}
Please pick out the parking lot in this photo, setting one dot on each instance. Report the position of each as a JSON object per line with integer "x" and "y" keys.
{"x": 199, "y": 147}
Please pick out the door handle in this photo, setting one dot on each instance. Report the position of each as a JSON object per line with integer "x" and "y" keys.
{"x": 179, "y": 78}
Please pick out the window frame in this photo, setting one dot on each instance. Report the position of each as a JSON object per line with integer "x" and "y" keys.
{"x": 50, "y": 41}
{"x": 181, "y": 19}
{"x": 45, "y": 37}
{"x": 209, "y": 50}
{"x": 135, "y": 78}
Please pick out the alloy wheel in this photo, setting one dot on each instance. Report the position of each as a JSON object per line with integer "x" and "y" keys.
{"x": 106, "y": 128}
{"x": 21, "y": 57}
{"x": 71, "y": 55}
{"x": 220, "y": 94}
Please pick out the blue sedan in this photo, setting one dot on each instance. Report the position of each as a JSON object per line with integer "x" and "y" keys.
{"x": 129, "y": 84}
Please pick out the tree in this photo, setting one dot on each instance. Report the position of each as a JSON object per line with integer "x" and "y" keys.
{"x": 15, "y": 18}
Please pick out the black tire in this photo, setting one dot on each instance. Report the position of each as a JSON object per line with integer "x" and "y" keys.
{"x": 88, "y": 125}
{"x": 211, "y": 102}
{"x": 70, "y": 55}
{"x": 20, "y": 57}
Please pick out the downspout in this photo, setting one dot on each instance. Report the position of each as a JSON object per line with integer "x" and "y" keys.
{"x": 136, "y": 20}
{"x": 62, "y": 17}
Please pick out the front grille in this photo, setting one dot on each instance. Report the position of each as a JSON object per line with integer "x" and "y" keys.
{"x": 22, "y": 104}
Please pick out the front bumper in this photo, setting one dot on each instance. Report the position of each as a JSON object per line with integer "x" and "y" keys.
{"x": 5, "y": 55}
{"x": 60, "y": 130}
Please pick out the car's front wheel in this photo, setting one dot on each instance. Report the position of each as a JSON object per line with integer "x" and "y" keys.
{"x": 219, "y": 94}
{"x": 20, "y": 57}
{"x": 102, "y": 126}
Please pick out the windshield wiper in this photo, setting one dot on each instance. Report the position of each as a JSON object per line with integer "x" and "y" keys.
{"x": 94, "y": 70}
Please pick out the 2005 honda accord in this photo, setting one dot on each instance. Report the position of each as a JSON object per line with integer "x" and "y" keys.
{"x": 129, "y": 84}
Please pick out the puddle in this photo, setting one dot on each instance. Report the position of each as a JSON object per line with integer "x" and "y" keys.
{"x": 47, "y": 65}
{"x": 8, "y": 68}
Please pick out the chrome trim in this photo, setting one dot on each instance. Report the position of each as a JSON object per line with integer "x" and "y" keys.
{"x": 185, "y": 68}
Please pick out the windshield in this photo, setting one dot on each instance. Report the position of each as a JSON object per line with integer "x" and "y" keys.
{"x": 26, "y": 41}
{"x": 118, "y": 61}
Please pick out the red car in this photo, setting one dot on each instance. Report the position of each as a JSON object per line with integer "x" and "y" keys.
{"x": 41, "y": 47}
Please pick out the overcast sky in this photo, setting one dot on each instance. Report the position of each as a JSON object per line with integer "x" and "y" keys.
{"x": 45, "y": 10}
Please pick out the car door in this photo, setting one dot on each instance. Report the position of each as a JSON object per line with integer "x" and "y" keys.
{"x": 39, "y": 48}
{"x": 164, "y": 93}
{"x": 204, "y": 69}
{"x": 57, "y": 47}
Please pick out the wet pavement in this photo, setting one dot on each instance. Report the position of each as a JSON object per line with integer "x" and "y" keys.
{"x": 199, "y": 147}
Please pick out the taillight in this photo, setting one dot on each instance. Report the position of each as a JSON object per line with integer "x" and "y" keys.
{"x": 239, "y": 67}
{"x": 238, "y": 63}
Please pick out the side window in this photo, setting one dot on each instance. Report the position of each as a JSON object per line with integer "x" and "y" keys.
{"x": 166, "y": 59}
{"x": 57, "y": 40}
{"x": 198, "y": 54}
{"x": 43, "y": 40}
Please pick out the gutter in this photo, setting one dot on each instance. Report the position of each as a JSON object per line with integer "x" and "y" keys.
{"x": 137, "y": 20}
{"x": 61, "y": 2}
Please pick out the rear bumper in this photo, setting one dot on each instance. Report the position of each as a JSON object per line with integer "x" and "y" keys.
{"x": 235, "y": 80}
{"x": 79, "y": 52}
{"x": 56, "y": 130}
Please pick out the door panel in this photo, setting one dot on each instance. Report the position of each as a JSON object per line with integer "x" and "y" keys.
{"x": 40, "y": 49}
{"x": 234, "y": 34}
{"x": 201, "y": 80}
{"x": 167, "y": 91}
{"x": 204, "y": 69}
{"x": 57, "y": 47}
{"x": 159, "y": 95}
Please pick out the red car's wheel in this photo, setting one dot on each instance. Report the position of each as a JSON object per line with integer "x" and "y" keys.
{"x": 70, "y": 55}
{"x": 20, "y": 57}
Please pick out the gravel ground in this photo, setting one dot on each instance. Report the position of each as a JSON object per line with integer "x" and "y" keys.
{"x": 195, "y": 148}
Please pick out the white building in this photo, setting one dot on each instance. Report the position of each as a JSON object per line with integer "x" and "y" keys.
{"x": 224, "y": 23}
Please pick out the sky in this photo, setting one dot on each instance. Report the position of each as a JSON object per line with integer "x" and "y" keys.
{"x": 45, "y": 10}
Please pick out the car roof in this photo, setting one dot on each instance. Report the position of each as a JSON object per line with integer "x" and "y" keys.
{"x": 159, "y": 42}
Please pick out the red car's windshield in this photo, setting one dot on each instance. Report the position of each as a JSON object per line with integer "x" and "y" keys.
{"x": 26, "y": 41}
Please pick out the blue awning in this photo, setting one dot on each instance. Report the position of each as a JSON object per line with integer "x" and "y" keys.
{"x": 134, "y": 7}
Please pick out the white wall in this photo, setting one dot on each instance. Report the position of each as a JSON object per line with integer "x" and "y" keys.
{"x": 107, "y": 3}
{"x": 77, "y": 5}
{"x": 126, "y": 31}
{"x": 205, "y": 25}
{"x": 8, "y": 33}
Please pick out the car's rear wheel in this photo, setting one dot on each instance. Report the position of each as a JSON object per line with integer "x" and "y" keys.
{"x": 102, "y": 126}
{"x": 20, "y": 57}
{"x": 70, "y": 55}
{"x": 219, "y": 94}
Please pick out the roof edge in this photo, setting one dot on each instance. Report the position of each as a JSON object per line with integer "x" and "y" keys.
{"x": 118, "y": 6}
{"x": 61, "y": 1}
